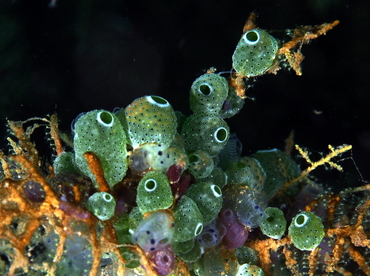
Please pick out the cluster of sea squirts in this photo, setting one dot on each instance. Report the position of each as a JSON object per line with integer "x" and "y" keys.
{"x": 195, "y": 195}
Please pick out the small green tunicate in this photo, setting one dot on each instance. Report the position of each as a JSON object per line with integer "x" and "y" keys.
{"x": 213, "y": 262}
{"x": 154, "y": 192}
{"x": 306, "y": 231}
{"x": 208, "y": 93}
{"x": 208, "y": 198}
{"x": 102, "y": 205}
{"x": 188, "y": 220}
{"x": 255, "y": 53}
{"x": 239, "y": 173}
{"x": 249, "y": 270}
{"x": 206, "y": 133}
{"x": 273, "y": 223}
{"x": 217, "y": 177}
{"x": 245, "y": 254}
{"x": 101, "y": 132}
{"x": 149, "y": 119}
{"x": 279, "y": 169}
{"x": 200, "y": 164}
{"x": 183, "y": 247}
{"x": 65, "y": 162}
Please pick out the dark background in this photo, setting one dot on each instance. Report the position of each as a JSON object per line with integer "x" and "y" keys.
{"x": 81, "y": 55}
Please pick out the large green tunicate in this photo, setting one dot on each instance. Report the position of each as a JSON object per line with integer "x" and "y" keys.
{"x": 101, "y": 132}
{"x": 208, "y": 198}
{"x": 306, "y": 231}
{"x": 279, "y": 169}
{"x": 206, "y": 133}
{"x": 273, "y": 223}
{"x": 188, "y": 220}
{"x": 102, "y": 205}
{"x": 208, "y": 93}
{"x": 154, "y": 192}
{"x": 149, "y": 119}
{"x": 200, "y": 164}
{"x": 255, "y": 53}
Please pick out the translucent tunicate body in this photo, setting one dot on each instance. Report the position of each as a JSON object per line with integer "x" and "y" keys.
{"x": 155, "y": 231}
{"x": 212, "y": 234}
{"x": 278, "y": 167}
{"x": 231, "y": 152}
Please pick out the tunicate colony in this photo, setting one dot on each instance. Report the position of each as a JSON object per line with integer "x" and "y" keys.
{"x": 196, "y": 196}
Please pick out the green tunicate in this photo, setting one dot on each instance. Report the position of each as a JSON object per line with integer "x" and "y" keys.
{"x": 245, "y": 254}
{"x": 208, "y": 93}
{"x": 306, "y": 231}
{"x": 200, "y": 164}
{"x": 239, "y": 173}
{"x": 183, "y": 247}
{"x": 188, "y": 220}
{"x": 279, "y": 169}
{"x": 273, "y": 223}
{"x": 208, "y": 198}
{"x": 149, "y": 119}
{"x": 217, "y": 177}
{"x": 101, "y": 132}
{"x": 213, "y": 262}
{"x": 121, "y": 226}
{"x": 206, "y": 133}
{"x": 135, "y": 217}
{"x": 249, "y": 270}
{"x": 192, "y": 255}
{"x": 65, "y": 162}
{"x": 180, "y": 120}
{"x": 102, "y": 205}
{"x": 259, "y": 175}
{"x": 154, "y": 192}
{"x": 255, "y": 53}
